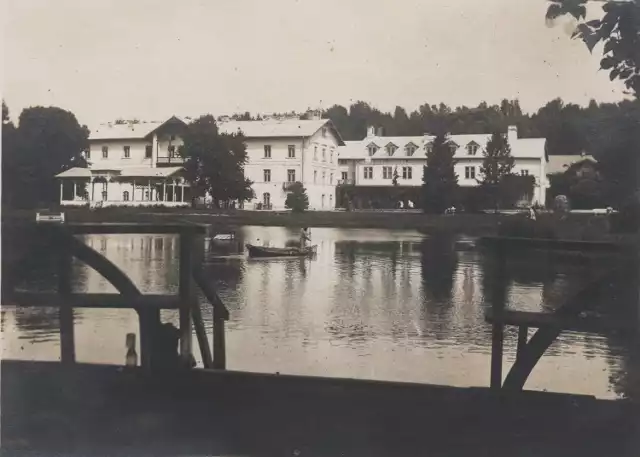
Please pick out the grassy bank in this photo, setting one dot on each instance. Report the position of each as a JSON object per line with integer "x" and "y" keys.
{"x": 575, "y": 226}
{"x": 472, "y": 224}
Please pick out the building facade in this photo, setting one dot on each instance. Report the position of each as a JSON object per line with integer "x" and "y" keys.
{"x": 375, "y": 160}
{"x": 138, "y": 164}
{"x": 130, "y": 164}
{"x": 281, "y": 152}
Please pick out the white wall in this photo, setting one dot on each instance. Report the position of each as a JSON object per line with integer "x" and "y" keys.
{"x": 306, "y": 164}
{"x": 116, "y": 154}
{"x": 137, "y": 147}
{"x": 535, "y": 167}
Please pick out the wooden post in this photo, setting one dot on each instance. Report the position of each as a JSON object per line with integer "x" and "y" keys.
{"x": 498, "y": 302}
{"x": 186, "y": 293}
{"x": 523, "y": 333}
{"x": 219, "y": 343}
{"x": 67, "y": 339}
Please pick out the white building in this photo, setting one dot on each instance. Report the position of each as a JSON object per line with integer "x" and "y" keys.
{"x": 373, "y": 161}
{"x": 138, "y": 164}
{"x": 281, "y": 152}
{"x": 130, "y": 164}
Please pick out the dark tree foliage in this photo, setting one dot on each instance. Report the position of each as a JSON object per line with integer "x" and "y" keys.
{"x": 47, "y": 141}
{"x": 439, "y": 181}
{"x": 618, "y": 30}
{"x": 297, "y": 200}
{"x": 496, "y": 166}
{"x": 214, "y": 162}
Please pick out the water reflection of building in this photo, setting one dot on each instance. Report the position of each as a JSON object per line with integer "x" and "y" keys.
{"x": 151, "y": 261}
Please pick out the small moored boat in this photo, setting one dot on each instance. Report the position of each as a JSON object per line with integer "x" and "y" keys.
{"x": 264, "y": 251}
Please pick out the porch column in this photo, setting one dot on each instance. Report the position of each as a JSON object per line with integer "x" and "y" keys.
{"x": 92, "y": 183}
{"x": 164, "y": 190}
{"x": 154, "y": 152}
{"x": 149, "y": 189}
{"x": 61, "y": 189}
{"x": 133, "y": 193}
{"x": 73, "y": 186}
{"x": 182, "y": 191}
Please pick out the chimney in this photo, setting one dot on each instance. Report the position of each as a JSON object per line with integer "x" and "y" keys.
{"x": 512, "y": 134}
{"x": 314, "y": 115}
{"x": 380, "y": 131}
{"x": 371, "y": 131}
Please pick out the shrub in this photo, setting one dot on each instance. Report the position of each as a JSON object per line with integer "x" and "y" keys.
{"x": 297, "y": 200}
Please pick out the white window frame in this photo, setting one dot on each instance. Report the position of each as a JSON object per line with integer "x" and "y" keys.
{"x": 407, "y": 172}
{"x": 266, "y": 173}
{"x": 291, "y": 172}
{"x": 267, "y": 151}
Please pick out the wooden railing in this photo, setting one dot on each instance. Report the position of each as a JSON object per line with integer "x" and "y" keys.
{"x": 147, "y": 306}
{"x": 570, "y": 316}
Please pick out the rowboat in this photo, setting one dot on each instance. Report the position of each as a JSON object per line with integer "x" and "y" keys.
{"x": 263, "y": 251}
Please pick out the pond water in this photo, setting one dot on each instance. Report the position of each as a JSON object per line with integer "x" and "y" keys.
{"x": 375, "y": 304}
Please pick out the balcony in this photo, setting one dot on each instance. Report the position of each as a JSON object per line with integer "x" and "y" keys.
{"x": 169, "y": 160}
{"x": 346, "y": 182}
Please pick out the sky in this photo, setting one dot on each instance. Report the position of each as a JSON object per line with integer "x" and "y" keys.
{"x": 150, "y": 59}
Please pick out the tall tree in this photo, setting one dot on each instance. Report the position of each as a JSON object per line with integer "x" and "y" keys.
{"x": 439, "y": 181}
{"x": 47, "y": 141}
{"x": 497, "y": 165}
{"x": 214, "y": 162}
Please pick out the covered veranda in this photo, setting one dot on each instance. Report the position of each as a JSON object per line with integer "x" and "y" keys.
{"x": 124, "y": 187}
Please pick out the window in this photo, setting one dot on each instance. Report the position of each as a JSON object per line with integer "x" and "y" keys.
{"x": 345, "y": 175}
{"x": 372, "y": 148}
{"x": 324, "y": 154}
{"x": 524, "y": 172}
{"x": 391, "y": 148}
{"x": 472, "y": 149}
{"x": 410, "y": 149}
{"x": 105, "y": 152}
{"x": 87, "y": 153}
{"x": 331, "y": 179}
{"x": 104, "y": 195}
{"x": 267, "y": 151}
{"x": 267, "y": 175}
{"x": 125, "y": 196}
{"x": 292, "y": 151}
{"x": 428, "y": 148}
{"x": 407, "y": 173}
{"x": 291, "y": 176}
{"x": 387, "y": 173}
{"x": 368, "y": 172}
{"x": 324, "y": 177}
{"x": 315, "y": 176}
{"x": 148, "y": 151}
{"x": 470, "y": 172}
{"x": 315, "y": 153}
{"x": 172, "y": 151}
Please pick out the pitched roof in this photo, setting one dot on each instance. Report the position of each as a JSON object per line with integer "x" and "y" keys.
{"x": 111, "y": 131}
{"x": 560, "y": 164}
{"x": 129, "y": 172}
{"x": 520, "y": 148}
{"x": 272, "y": 128}
{"x": 75, "y": 172}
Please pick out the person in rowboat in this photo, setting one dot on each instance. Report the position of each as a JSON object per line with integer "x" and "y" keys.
{"x": 305, "y": 236}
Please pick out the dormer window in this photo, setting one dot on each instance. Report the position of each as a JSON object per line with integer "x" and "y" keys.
{"x": 391, "y": 148}
{"x": 428, "y": 148}
{"x": 372, "y": 148}
{"x": 472, "y": 148}
{"x": 453, "y": 146}
{"x": 410, "y": 149}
